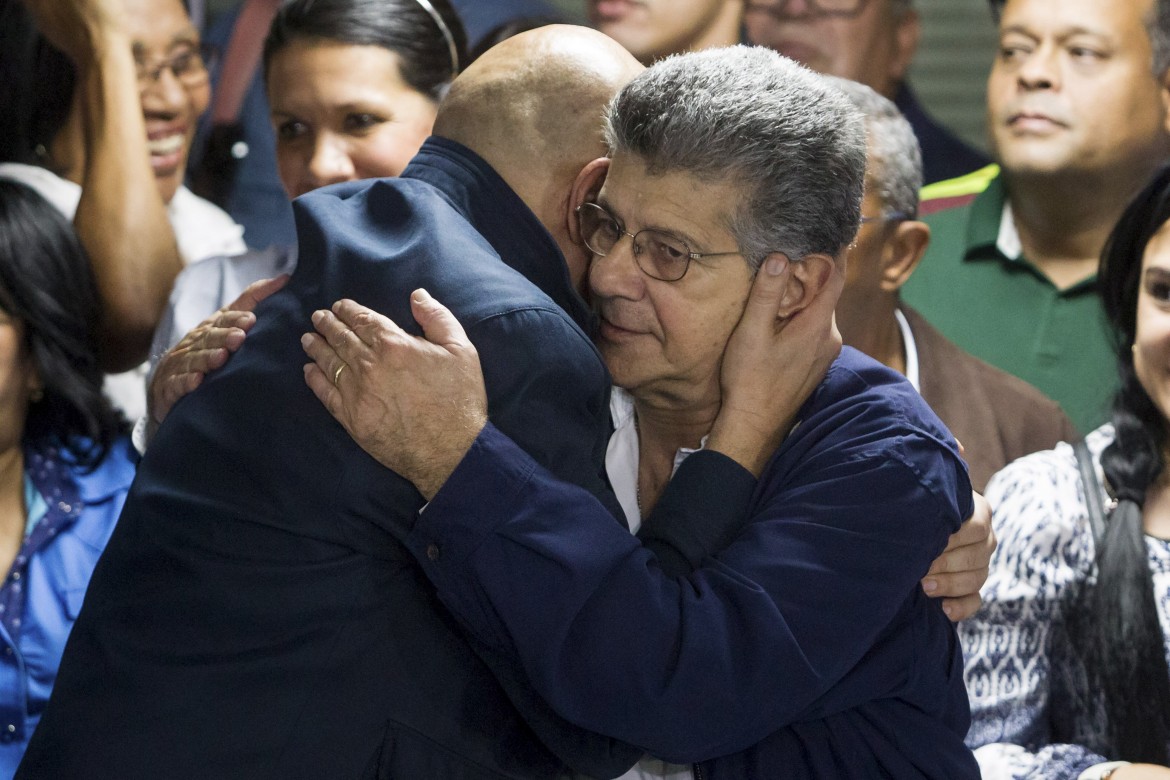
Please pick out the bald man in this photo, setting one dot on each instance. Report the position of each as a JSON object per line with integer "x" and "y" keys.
{"x": 255, "y": 614}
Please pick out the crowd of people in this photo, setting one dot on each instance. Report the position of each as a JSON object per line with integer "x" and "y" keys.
{"x": 433, "y": 389}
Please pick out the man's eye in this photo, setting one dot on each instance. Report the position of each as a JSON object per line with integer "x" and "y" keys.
{"x": 667, "y": 250}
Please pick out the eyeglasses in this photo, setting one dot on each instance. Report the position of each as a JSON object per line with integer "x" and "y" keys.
{"x": 813, "y": 8}
{"x": 190, "y": 66}
{"x": 660, "y": 255}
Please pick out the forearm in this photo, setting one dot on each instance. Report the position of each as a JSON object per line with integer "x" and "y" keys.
{"x": 121, "y": 218}
{"x": 538, "y": 568}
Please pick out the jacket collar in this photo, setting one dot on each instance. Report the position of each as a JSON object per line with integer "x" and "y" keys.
{"x": 475, "y": 189}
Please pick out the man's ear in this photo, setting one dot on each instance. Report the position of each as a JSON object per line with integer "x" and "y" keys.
{"x": 585, "y": 190}
{"x": 902, "y": 251}
{"x": 808, "y": 278}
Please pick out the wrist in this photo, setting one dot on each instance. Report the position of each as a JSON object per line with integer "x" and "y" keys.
{"x": 435, "y": 472}
{"x": 744, "y": 440}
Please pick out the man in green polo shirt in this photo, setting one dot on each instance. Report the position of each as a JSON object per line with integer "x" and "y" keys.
{"x": 1077, "y": 108}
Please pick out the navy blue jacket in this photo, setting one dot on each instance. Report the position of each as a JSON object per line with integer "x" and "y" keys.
{"x": 255, "y": 614}
{"x": 802, "y": 646}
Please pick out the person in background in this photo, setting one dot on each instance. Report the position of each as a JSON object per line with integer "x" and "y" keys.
{"x": 1078, "y": 107}
{"x": 996, "y": 416}
{"x": 1066, "y": 664}
{"x": 106, "y": 98}
{"x": 653, "y": 29}
{"x": 65, "y": 463}
{"x": 353, "y": 87}
{"x": 870, "y": 41}
{"x": 236, "y": 153}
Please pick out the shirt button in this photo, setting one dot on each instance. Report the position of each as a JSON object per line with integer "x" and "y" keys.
{"x": 11, "y": 729}
{"x": 432, "y": 552}
{"x": 15, "y": 575}
{"x": 64, "y": 507}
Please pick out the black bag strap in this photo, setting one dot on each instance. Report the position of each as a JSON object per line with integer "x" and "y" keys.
{"x": 1094, "y": 497}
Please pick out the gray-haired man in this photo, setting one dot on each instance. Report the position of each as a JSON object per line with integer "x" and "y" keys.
{"x": 802, "y": 645}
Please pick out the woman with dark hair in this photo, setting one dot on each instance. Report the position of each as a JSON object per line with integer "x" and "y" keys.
{"x": 1067, "y": 662}
{"x": 353, "y": 87}
{"x": 65, "y": 463}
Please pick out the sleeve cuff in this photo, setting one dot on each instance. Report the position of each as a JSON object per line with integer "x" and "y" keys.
{"x": 138, "y": 435}
{"x": 479, "y": 496}
{"x": 702, "y": 509}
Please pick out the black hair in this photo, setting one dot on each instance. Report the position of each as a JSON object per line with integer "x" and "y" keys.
{"x": 38, "y": 82}
{"x": 1113, "y": 622}
{"x": 47, "y": 285}
{"x": 402, "y": 26}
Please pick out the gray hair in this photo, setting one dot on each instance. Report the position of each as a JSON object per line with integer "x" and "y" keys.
{"x": 895, "y": 159}
{"x": 1157, "y": 28}
{"x": 748, "y": 115}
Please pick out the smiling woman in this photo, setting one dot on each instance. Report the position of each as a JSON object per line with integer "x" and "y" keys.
{"x": 107, "y": 95}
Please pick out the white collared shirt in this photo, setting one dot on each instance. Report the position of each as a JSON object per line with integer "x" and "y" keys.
{"x": 621, "y": 463}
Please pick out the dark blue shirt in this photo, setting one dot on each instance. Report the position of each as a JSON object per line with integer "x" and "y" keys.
{"x": 802, "y": 646}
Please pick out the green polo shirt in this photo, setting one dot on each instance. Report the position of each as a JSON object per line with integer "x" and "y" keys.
{"x": 1005, "y": 311}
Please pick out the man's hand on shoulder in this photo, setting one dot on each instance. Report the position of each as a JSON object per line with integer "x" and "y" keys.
{"x": 416, "y": 405}
{"x": 957, "y": 575}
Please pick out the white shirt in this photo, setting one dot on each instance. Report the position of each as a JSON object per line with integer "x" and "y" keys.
{"x": 621, "y": 464}
{"x": 910, "y": 347}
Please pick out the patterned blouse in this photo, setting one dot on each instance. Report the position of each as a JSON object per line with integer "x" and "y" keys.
{"x": 1045, "y": 545}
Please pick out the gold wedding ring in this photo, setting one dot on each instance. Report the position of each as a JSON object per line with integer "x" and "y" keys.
{"x": 337, "y": 373}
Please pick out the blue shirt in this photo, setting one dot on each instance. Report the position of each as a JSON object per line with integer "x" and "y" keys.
{"x": 801, "y": 647}
{"x": 43, "y": 591}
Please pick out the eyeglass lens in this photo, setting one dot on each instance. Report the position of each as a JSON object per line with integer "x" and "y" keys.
{"x": 658, "y": 254}
{"x": 189, "y": 66}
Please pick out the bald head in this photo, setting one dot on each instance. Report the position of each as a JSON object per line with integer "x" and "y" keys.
{"x": 532, "y": 107}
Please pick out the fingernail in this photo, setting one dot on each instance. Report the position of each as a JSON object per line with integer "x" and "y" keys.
{"x": 420, "y": 295}
{"x": 947, "y": 611}
{"x": 775, "y": 266}
{"x": 306, "y": 340}
{"x": 317, "y": 315}
{"x": 930, "y": 585}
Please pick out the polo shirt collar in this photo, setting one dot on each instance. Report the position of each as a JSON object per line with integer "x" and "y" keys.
{"x": 986, "y": 220}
